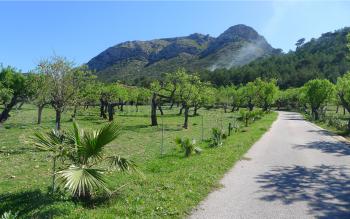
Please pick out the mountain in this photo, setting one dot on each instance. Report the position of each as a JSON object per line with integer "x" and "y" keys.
{"x": 136, "y": 60}
{"x": 324, "y": 57}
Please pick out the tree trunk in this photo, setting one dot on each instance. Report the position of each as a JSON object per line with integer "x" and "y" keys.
{"x": 337, "y": 110}
{"x": 172, "y": 104}
{"x": 40, "y": 111}
{"x": 154, "y": 110}
{"x": 161, "y": 110}
{"x": 182, "y": 107}
{"x": 58, "y": 119}
{"x": 53, "y": 175}
{"x": 250, "y": 107}
{"x": 102, "y": 109}
{"x": 315, "y": 114}
{"x": 121, "y": 103}
{"x": 20, "y": 106}
{"x": 137, "y": 107}
{"x": 225, "y": 108}
{"x": 186, "y": 117}
{"x": 195, "y": 110}
{"x": 6, "y": 112}
{"x": 110, "y": 112}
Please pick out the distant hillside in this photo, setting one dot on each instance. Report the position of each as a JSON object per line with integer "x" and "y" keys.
{"x": 324, "y": 57}
{"x": 133, "y": 61}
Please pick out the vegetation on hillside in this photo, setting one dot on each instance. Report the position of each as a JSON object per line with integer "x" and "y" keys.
{"x": 324, "y": 57}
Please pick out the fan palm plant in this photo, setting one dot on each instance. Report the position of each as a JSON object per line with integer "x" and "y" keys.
{"x": 84, "y": 149}
{"x": 52, "y": 142}
{"x": 217, "y": 137}
{"x": 188, "y": 146}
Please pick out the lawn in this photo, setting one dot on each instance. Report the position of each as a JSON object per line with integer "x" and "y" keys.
{"x": 173, "y": 185}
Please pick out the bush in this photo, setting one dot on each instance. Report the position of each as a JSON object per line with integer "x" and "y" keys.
{"x": 9, "y": 215}
{"x": 336, "y": 122}
{"x": 250, "y": 116}
{"x": 188, "y": 146}
{"x": 217, "y": 136}
{"x": 235, "y": 126}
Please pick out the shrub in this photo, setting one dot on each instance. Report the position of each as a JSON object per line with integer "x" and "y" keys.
{"x": 250, "y": 116}
{"x": 9, "y": 215}
{"x": 188, "y": 146}
{"x": 217, "y": 136}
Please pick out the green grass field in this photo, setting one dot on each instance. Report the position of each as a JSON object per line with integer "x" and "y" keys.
{"x": 173, "y": 186}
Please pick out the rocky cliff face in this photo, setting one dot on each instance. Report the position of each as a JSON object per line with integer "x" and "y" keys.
{"x": 238, "y": 45}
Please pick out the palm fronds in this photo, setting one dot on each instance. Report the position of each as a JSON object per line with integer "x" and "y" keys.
{"x": 81, "y": 181}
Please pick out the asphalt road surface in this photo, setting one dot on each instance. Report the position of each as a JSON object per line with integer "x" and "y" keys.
{"x": 296, "y": 170}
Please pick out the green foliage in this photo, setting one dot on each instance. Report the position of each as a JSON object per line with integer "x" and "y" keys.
{"x": 15, "y": 87}
{"x": 217, "y": 137}
{"x": 170, "y": 197}
{"x": 83, "y": 149}
{"x": 316, "y": 93}
{"x": 9, "y": 215}
{"x": 248, "y": 116}
{"x": 187, "y": 146}
{"x": 343, "y": 92}
{"x": 267, "y": 93}
{"x": 324, "y": 57}
{"x": 289, "y": 99}
{"x": 249, "y": 95}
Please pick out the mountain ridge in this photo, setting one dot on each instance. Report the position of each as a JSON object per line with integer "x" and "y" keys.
{"x": 238, "y": 45}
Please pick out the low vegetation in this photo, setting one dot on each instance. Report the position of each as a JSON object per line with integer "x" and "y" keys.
{"x": 159, "y": 193}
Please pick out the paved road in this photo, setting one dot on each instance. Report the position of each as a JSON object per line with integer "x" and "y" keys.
{"x": 296, "y": 170}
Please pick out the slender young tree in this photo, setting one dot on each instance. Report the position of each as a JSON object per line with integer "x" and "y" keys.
{"x": 60, "y": 72}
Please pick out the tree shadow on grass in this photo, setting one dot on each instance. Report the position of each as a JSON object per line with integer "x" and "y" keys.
{"x": 30, "y": 204}
{"x": 337, "y": 148}
{"x": 325, "y": 189}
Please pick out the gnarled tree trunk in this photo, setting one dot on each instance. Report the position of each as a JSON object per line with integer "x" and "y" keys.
{"x": 5, "y": 114}
{"x": 154, "y": 110}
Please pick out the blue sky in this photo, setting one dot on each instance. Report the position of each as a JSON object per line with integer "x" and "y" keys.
{"x": 31, "y": 31}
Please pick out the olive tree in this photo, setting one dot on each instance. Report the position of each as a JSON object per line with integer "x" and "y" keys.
{"x": 266, "y": 93}
{"x": 60, "y": 73}
{"x": 112, "y": 95}
{"x": 15, "y": 87}
{"x": 249, "y": 95}
{"x": 343, "y": 92}
{"x": 42, "y": 89}
{"x": 316, "y": 93}
{"x": 204, "y": 97}
{"x": 82, "y": 79}
{"x": 187, "y": 92}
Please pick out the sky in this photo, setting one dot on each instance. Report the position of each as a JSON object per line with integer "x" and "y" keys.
{"x": 31, "y": 31}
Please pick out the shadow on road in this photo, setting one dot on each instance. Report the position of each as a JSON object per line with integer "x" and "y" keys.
{"x": 326, "y": 189}
{"x": 336, "y": 148}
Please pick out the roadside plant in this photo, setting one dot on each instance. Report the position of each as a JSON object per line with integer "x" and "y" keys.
{"x": 188, "y": 146}
{"x": 217, "y": 137}
{"x": 83, "y": 150}
{"x": 9, "y": 215}
{"x": 316, "y": 93}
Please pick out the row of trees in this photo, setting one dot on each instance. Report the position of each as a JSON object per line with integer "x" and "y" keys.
{"x": 316, "y": 95}
{"x": 58, "y": 83}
